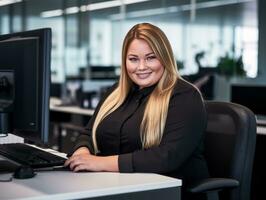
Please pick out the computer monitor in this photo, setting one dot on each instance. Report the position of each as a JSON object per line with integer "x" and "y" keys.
{"x": 251, "y": 96}
{"x": 25, "y": 64}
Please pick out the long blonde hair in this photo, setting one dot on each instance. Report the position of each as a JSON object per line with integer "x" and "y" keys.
{"x": 153, "y": 122}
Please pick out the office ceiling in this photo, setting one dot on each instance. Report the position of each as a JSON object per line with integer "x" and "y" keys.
{"x": 231, "y": 12}
{"x": 207, "y": 11}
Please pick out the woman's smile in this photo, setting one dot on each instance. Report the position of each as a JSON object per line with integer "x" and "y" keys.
{"x": 143, "y": 75}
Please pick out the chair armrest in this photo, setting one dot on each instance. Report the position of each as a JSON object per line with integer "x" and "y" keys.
{"x": 213, "y": 184}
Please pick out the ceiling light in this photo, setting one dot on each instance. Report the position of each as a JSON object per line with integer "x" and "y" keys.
{"x": 102, "y": 5}
{"x": 174, "y": 9}
{"x": 52, "y": 13}
{"x": 110, "y": 4}
{"x": 83, "y": 8}
{"x": 7, "y": 2}
{"x": 72, "y": 10}
{"x": 89, "y": 7}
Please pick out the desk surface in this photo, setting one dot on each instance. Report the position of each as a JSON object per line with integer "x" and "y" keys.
{"x": 55, "y": 105}
{"x": 70, "y": 185}
{"x": 72, "y": 110}
{"x": 261, "y": 130}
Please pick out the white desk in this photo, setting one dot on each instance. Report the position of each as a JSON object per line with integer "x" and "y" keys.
{"x": 72, "y": 110}
{"x": 55, "y": 106}
{"x": 69, "y": 185}
{"x": 261, "y": 130}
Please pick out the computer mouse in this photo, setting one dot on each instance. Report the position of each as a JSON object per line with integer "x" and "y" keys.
{"x": 24, "y": 172}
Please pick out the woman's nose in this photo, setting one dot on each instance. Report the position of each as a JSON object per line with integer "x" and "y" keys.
{"x": 142, "y": 64}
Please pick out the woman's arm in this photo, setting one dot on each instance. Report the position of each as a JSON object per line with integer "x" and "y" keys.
{"x": 85, "y": 139}
{"x": 83, "y": 160}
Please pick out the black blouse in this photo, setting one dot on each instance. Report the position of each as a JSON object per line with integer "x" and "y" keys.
{"x": 180, "y": 153}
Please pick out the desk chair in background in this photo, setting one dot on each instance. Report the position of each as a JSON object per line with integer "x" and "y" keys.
{"x": 229, "y": 150}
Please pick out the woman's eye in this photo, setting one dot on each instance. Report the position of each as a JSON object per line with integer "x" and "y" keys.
{"x": 151, "y": 57}
{"x": 133, "y": 59}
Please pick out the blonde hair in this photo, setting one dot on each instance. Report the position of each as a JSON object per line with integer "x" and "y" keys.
{"x": 153, "y": 122}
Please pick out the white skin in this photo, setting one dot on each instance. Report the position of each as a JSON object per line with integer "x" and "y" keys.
{"x": 83, "y": 160}
{"x": 144, "y": 69}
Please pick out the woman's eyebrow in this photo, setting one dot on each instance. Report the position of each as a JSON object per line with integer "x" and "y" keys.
{"x": 132, "y": 55}
{"x": 151, "y": 53}
{"x": 148, "y": 54}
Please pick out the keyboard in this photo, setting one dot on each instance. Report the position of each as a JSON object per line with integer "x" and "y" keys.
{"x": 31, "y": 156}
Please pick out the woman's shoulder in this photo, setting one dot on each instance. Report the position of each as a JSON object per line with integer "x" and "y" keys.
{"x": 183, "y": 86}
{"x": 187, "y": 97}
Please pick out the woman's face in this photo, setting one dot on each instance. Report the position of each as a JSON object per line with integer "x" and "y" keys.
{"x": 143, "y": 67}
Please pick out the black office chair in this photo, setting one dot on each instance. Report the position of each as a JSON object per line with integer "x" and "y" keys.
{"x": 229, "y": 148}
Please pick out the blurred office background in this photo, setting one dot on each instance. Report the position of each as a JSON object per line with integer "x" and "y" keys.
{"x": 219, "y": 45}
{"x": 220, "y": 37}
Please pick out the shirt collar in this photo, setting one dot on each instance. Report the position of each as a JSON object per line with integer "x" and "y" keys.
{"x": 144, "y": 91}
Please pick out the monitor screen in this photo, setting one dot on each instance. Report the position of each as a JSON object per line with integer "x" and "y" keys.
{"x": 25, "y": 56}
{"x": 251, "y": 96}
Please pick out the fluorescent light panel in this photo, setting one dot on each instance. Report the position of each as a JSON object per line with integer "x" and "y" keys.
{"x": 110, "y": 4}
{"x": 83, "y": 8}
{"x": 72, "y": 10}
{"x": 103, "y": 5}
{"x": 174, "y": 9}
{"x": 52, "y": 13}
{"x": 89, "y": 7}
{"x": 7, "y": 2}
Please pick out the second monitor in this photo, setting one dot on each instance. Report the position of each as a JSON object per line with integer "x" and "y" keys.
{"x": 251, "y": 96}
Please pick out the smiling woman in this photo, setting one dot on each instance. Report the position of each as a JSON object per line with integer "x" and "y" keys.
{"x": 143, "y": 67}
{"x": 150, "y": 121}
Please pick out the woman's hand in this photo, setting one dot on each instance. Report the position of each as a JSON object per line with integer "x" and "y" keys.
{"x": 81, "y": 150}
{"x": 83, "y": 160}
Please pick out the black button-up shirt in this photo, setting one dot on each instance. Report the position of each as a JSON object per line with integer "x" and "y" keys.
{"x": 180, "y": 151}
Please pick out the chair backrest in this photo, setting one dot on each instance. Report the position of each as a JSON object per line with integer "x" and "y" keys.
{"x": 230, "y": 145}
